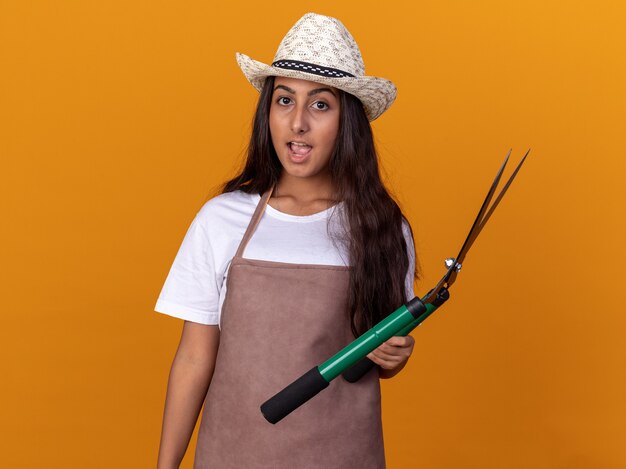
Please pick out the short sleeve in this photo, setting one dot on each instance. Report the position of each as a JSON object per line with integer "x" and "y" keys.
{"x": 191, "y": 290}
{"x": 410, "y": 248}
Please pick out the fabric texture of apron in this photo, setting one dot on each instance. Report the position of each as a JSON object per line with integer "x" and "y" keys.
{"x": 278, "y": 321}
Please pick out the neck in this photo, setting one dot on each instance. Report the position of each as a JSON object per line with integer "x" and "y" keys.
{"x": 306, "y": 190}
{"x": 303, "y": 196}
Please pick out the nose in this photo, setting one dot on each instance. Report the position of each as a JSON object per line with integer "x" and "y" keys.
{"x": 299, "y": 121}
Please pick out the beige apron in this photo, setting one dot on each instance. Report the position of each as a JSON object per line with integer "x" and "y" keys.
{"x": 278, "y": 321}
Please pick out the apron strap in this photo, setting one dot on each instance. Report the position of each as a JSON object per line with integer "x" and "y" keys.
{"x": 254, "y": 221}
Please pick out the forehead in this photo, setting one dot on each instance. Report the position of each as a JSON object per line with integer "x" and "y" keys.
{"x": 298, "y": 85}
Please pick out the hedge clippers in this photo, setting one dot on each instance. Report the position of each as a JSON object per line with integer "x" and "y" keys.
{"x": 352, "y": 360}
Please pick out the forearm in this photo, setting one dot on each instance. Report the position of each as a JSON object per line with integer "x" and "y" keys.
{"x": 187, "y": 386}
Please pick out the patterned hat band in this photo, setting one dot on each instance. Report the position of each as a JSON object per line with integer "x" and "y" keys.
{"x": 311, "y": 68}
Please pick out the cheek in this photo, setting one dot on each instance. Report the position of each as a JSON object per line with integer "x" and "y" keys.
{"x": 331, "y": 135}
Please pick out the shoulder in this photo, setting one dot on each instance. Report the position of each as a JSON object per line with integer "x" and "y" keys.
{"x": 407, "y": 231}
{"x": 220, "y": 225}
{"x": 229, "y": 210}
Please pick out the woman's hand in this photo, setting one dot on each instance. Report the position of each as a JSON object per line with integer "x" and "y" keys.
{"x": 392, "y": 355}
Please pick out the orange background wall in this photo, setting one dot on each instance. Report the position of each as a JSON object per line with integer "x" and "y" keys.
{"x": 119, "y": 118}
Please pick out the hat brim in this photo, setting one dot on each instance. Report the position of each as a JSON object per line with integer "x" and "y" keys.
{"x": 376, "y": 94}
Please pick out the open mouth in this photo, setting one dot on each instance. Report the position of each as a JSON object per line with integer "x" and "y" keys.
{"x": 299, "y": 149}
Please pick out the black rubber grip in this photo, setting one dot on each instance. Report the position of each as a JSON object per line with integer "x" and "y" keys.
{"x": 293, "y": 396}
{"x": 357, "y": 371}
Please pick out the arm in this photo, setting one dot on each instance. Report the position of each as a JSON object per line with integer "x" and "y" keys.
{"x": 393, "y": 355}
{"x": 188, "y": 383}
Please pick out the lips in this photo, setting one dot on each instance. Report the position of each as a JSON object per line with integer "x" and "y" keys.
{"x": 299, "y": 152}
{"x": 299, "y": 149}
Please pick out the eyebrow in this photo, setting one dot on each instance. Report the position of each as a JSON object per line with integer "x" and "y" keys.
{"x": 310, "y": 93}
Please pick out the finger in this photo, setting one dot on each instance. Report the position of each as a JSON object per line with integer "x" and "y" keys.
{"x": 392, "y": 357}
{"x": 390, "y": 348}
{"x": 401, "y": 341}
{"x": 386, "y": 364}
{"x": 396, "y": 349}
{"x": 388, "y": 357}
{"x": 391, "y": 352}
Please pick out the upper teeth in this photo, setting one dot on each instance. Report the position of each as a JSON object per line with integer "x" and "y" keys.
{"x": 299, "y": 144}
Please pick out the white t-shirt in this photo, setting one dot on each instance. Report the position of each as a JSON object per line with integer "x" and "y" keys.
{"x": 195, "y": 287}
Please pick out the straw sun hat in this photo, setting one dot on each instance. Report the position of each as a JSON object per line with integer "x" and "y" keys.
{"x": 320, "y": 49}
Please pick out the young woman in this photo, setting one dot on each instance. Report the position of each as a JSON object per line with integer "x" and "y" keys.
{"x": 302, "y": 252}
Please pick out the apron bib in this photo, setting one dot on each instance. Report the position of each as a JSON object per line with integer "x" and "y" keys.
{"x": 278, "y": 321}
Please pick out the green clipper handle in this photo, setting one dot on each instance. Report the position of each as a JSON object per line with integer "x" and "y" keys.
{"x": 403, "y": 320}
{"x": 359, "y": 370}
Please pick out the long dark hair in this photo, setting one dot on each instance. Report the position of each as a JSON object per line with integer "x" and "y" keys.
{"x": 377, "y": 247}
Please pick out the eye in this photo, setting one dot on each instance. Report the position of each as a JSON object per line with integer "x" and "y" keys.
{"x": 320, "y": 105}
{"x": 283, "y": 101}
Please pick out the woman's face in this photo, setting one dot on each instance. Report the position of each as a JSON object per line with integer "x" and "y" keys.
{"x": 304, "y": 121}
